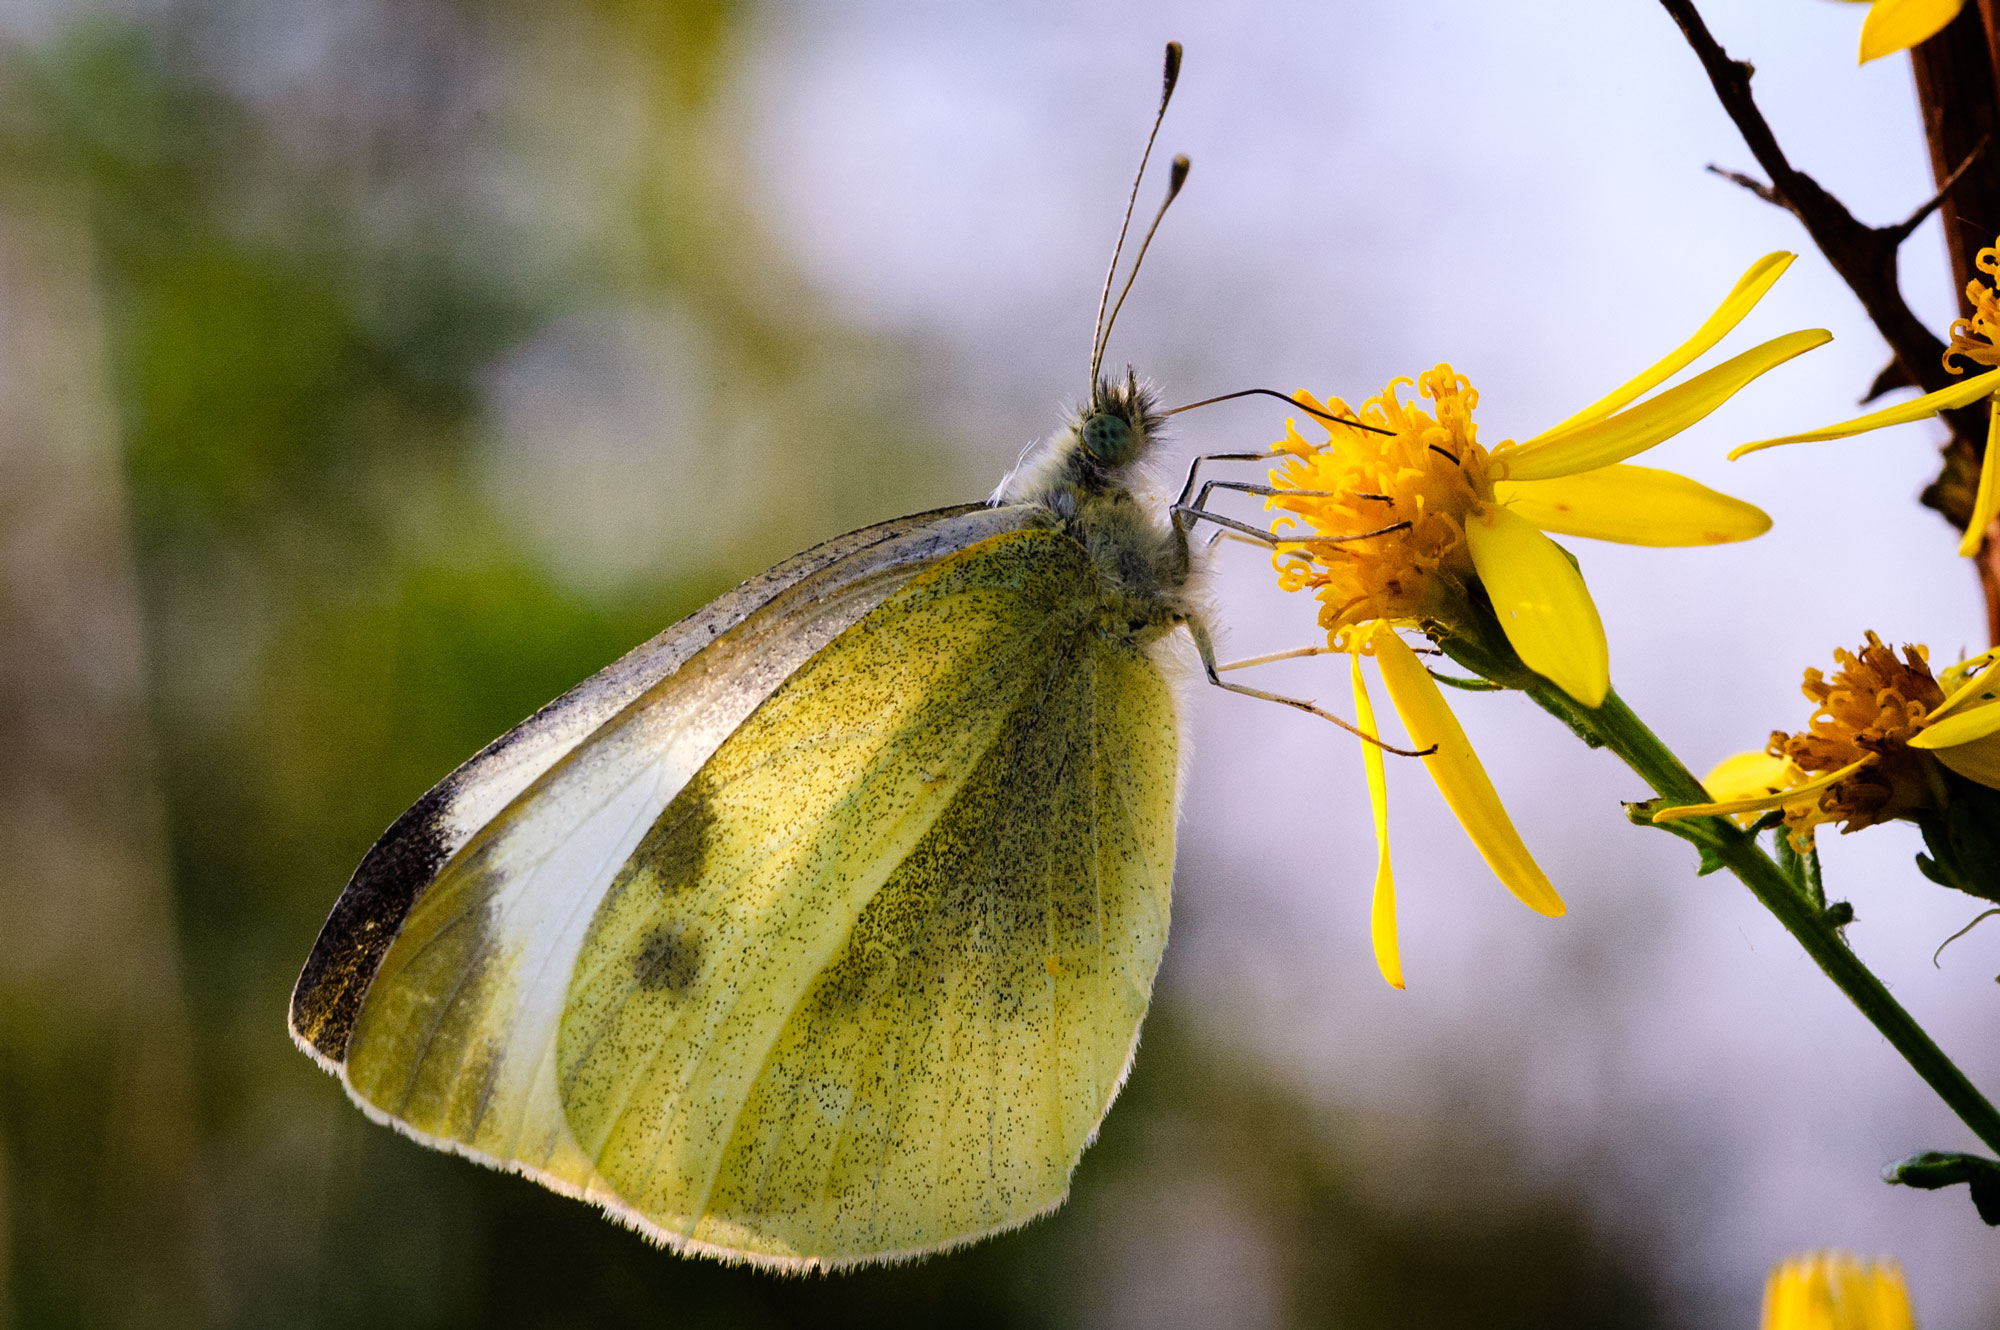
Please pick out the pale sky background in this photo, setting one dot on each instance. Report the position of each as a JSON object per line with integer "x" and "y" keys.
{"x": 1518, "y": 189}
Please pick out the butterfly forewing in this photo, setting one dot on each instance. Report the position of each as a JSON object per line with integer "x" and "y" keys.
{"x": 869, "y": 984}
{"x": 370, "y": 912}
{"x": 453, "y": 1034}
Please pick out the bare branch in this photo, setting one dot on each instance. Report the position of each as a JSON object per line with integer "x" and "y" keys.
{"x": 1751, "y": 183}
{"x": 1891, "y": 377}
{"x": 1863, "y": 255}
{"x": 1902, "y": 229}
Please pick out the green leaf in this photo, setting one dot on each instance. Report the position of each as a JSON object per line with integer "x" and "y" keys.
{"x": 1964, "y": 840}
{"x": 1469, "y": 685}
{"x": 1930, "y": 1170}
{"x": 1929, "y": 868}
{"x": 1972, "y": 836}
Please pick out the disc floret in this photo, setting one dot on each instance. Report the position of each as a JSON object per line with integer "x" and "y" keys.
{"x": 1423, "y": 480}
{"x": 1888, "y": 740}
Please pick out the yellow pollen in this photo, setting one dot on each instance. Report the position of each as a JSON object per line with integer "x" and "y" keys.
{"x": 1429, "y": 472}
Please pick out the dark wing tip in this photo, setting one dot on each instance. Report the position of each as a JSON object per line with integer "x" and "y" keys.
{"x": 364, "y": 921}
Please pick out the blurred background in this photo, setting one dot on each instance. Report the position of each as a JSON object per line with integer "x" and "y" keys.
{"x": 372, "y": 370}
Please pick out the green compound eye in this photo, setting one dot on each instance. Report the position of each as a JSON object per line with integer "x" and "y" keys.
{"x": 1109, "y": 438}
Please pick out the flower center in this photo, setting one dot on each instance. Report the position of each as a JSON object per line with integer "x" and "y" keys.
{"x": 1385, "y": 537}
{"x": 1874, "y": 703}
{"x": 1978, "y": 338}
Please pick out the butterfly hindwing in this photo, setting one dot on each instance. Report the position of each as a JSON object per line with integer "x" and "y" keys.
{"x": 869, "y": 984}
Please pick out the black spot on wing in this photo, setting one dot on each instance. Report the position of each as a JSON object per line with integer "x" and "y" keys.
{"x": 669, "y": 859}
{"x": 668, "y": 959}
{"x": 674, "y": 852}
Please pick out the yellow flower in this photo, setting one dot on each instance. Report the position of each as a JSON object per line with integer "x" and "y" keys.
{"x": 1412, "y": 521}
{"x": 1878, "y": 726}
{"x": 1964, "y": 731}
{"x": 1410, "y": 514}
{"x": 1834, "y": 1291}
{"x": 1976, "y": 339}
{"x": 1897, "y": 25}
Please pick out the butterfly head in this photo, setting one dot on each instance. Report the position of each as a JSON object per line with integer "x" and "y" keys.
{"x": 1115, "y": 430}
{"x": 1099, "y": 453}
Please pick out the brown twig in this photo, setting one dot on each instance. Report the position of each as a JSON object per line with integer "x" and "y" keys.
{"x": 1865, "y": 257}
{"x": 1751, "y": 183}
{"x": 1901, "y": 230}
{"x": 1956, "y": 91}
{"x": 1958, "y": 88}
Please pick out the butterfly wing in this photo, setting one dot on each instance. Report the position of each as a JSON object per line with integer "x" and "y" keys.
{"x": 867, "y": 985}
{"x": 761, "y": 627}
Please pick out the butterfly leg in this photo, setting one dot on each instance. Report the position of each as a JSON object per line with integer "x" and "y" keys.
{"x": 1205, "y": 645}
{"x": 1188, "y": 510}
{"x": 1191, "y": 513}
{"x": 1294, "y": 654}
{"x": 1187, "y": 488}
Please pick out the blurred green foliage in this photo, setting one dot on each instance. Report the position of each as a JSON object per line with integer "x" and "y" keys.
{"x": 297, "y": 333}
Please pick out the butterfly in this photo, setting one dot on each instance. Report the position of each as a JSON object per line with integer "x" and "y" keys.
{"x": 818, "y": 929}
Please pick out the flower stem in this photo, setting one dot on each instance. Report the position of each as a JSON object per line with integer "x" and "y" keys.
{"x": 1616, "y": 726}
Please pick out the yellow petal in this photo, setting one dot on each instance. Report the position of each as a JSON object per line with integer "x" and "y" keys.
{"x": 1382, "y": 913}
{"x": 1748, "y": 776}
{"x": 1969, "y": 686}
{"x": 1784, "y": 1300}
{"x": 1961, "y": 728}
{"x": 1760, "y": 803}
{"x": 1986, "y": 503}
{"x": 1978, "y": 760}
{"x": 1603, "y": 442}
{"x": 1833, "y": 1291}
{"x": 1742, "y": 298}
{"x": 1633, "y": 505}
{"x": 1917, "y": 408}
{"x": 1542, "y": 603}
{"x": 1892, "y": 1300}
{"x": 1460, "y": 778}
{"x": 1897, "y": 25}
{"x": 1954, "y": 677}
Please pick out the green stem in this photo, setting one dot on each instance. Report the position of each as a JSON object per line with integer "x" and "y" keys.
{"x": 1617, "y": 728}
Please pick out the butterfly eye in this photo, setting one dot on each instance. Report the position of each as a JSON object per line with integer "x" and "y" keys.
{"x": 1109, "y": 439}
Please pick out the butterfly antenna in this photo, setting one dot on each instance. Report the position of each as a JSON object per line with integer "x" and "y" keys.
{"x": 1174, "y": 183}
{"x": 1169, "y": 76}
